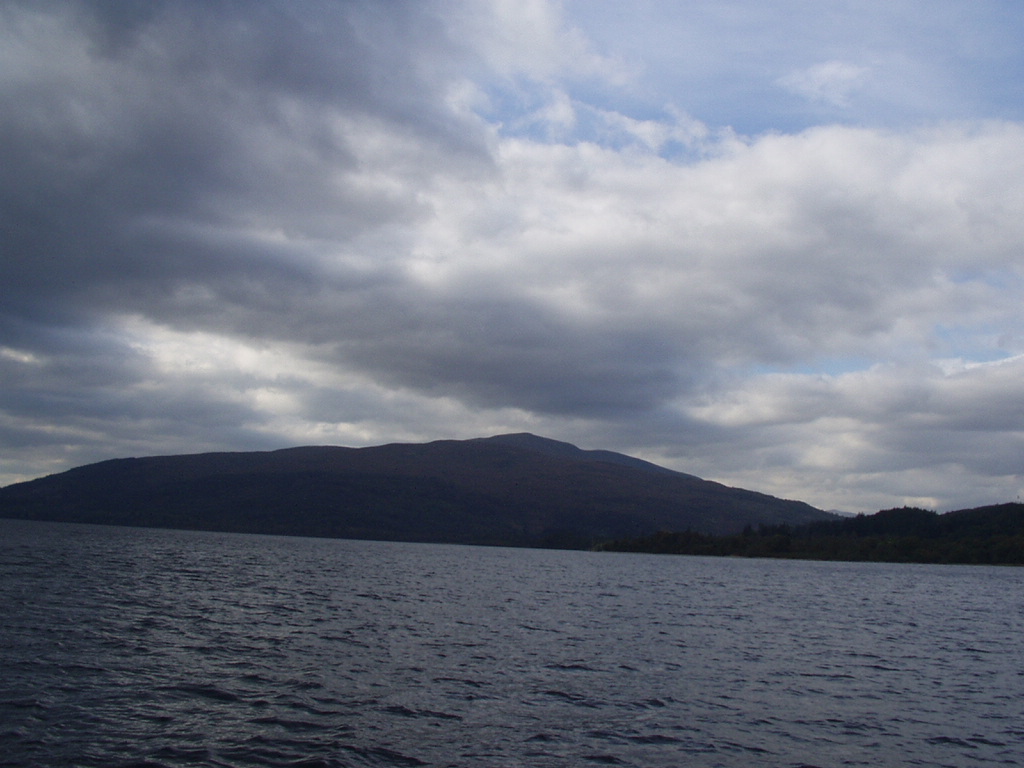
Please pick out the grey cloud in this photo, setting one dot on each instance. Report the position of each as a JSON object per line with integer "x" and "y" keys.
{"x": 296, "y": 191}
{"x": 889, "y": 435}
{"x": 194, "y": 163}
{"x": 207, "y": 115}
{"x": 493, "y": 353}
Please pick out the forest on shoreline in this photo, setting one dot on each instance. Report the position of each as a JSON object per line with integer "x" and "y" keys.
{"x": 992, "y": 535}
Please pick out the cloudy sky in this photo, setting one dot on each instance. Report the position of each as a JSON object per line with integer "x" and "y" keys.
{"x": 779, "y": 245}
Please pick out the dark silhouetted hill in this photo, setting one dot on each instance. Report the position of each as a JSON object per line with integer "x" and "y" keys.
{"x": 519, "y": 490}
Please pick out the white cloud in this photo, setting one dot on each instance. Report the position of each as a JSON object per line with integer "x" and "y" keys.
{"x": 526, "y": 38}
{"x": 832, "y": 82}
{"x": 885, "y": 436}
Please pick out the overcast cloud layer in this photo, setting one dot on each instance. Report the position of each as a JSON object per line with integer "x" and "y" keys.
{"x": 768, "y": 244}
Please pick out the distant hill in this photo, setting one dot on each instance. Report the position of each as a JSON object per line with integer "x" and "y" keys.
{"x": 992, "y": 535}
{"x": 518, "y": 490}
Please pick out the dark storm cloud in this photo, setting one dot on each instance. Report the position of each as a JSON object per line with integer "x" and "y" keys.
{"x": 186, "y": 161}
{"x": 492, "y": 352}
{"x": 138, "y": 165}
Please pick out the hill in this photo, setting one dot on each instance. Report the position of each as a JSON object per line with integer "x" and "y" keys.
{"x": 519, "y": 490}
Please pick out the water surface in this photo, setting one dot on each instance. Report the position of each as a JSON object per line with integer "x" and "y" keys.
{"x": 137, "y": 647}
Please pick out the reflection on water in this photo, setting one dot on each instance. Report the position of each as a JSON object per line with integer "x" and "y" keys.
{"x": 170, "y": 648}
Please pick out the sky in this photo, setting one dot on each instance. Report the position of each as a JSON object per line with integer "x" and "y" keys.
{"x": 777, "y": 245}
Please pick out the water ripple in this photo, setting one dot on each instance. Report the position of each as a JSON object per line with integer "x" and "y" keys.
{"x": 166, "y": 649}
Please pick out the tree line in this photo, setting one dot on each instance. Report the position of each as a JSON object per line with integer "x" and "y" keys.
{"x": 991, "y": 535}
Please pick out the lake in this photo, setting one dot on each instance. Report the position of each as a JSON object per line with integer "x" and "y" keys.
{"x": 149, "y": 648}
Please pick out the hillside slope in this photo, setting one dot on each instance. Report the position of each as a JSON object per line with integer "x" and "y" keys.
{"x": 518, "y": 490}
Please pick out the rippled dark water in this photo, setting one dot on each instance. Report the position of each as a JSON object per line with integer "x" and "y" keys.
{"x": 123, "y": 647}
